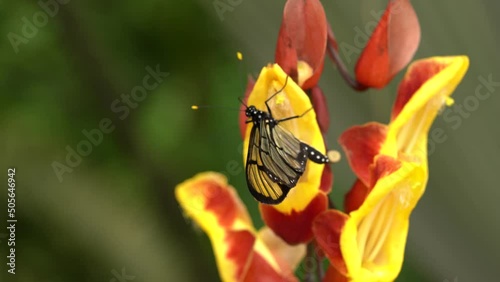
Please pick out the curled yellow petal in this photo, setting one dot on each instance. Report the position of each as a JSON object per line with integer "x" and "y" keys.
{"x": 374, "y": 237}
{"x": 216, "y": 208}
{"x": 240, "y": 252}
{"x": 425, "y": 89}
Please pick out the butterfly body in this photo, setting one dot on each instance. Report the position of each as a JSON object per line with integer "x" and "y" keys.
{"x": 276, "y": 158}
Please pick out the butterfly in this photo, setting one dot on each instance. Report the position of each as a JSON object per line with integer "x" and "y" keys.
{"x": 276, "y": 159}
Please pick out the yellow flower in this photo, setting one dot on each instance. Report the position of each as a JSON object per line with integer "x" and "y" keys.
{"x": 368, "y": 243}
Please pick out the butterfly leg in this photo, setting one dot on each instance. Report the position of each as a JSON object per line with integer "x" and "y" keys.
{"x": 277, "y": 92}
{"x": 294, "y": 117}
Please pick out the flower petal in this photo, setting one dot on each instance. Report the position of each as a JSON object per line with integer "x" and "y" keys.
{"x": 383, "y": 165}
{"x": 327, "y": 228}
{"x": 356, "y": 196}
{"x": 333, "y": 275}
{"x": 260, "y": 270}
{"x": 241, "y": 255}
{"x": 294, "y": 227}
{"x": 239, "y": 246}
{"x": 302, "y": 37}
{"x": 286, "y": 55}
{"x": 289, "y": 256}
{"x": 215, "y": 207}
{"x": 424, "y": 90}
{"x": 425, "y": 71}
{"x": 326, "y": 180}
{"x": 361, "y": 144}
{"x": 373, "y": 239}
{"x": 391, "y": 46}
{"x": 320, "y": 105}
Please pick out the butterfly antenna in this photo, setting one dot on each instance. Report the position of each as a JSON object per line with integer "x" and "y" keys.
{"x": 241, "y": 71}
{"x": 197, "y": 107}
{"x": 243, "y": 103}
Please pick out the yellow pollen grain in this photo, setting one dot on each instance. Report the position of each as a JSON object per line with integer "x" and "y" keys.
{"x": 194, "y": 107}
{"x": 239, "y": 55}
{"x": 449, "y": 101}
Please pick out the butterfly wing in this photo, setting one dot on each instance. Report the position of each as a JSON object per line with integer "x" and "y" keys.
{"x": 275, "y": 162}
{"x": 287, "y": 157}
{"x": 260, "y": 179}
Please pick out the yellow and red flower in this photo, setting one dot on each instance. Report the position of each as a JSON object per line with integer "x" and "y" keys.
{"x": 291, "y": 219}
{"x": 367, "y": 244}
{"x": 242, "y": 253}
{"x": 300, "y": 53}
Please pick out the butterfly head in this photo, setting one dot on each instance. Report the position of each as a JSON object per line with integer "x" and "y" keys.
{"x": 251, "y": 111}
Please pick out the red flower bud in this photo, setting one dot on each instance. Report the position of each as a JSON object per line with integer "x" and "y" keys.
{"x": 391, "y": 46}
{"x": 302, "y": 38}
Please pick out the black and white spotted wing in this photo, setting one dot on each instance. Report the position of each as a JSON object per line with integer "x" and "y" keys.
{"x": 276, "y": 159}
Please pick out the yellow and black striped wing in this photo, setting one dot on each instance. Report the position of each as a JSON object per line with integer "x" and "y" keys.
{"x": 275, "y": 162}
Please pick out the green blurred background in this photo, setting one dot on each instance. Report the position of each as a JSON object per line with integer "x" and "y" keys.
{"x": 116, "y": 211}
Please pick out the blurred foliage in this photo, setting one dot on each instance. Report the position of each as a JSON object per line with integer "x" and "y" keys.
{"x": 116, "y": 209}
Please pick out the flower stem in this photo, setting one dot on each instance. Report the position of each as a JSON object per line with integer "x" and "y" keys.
{"x": 334, "y": 55}
{"x": 331, "y": 205}
{"x": 313, "y": 264}
{"x": 310, "y": 274}
{"x": 319, "y": 262}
